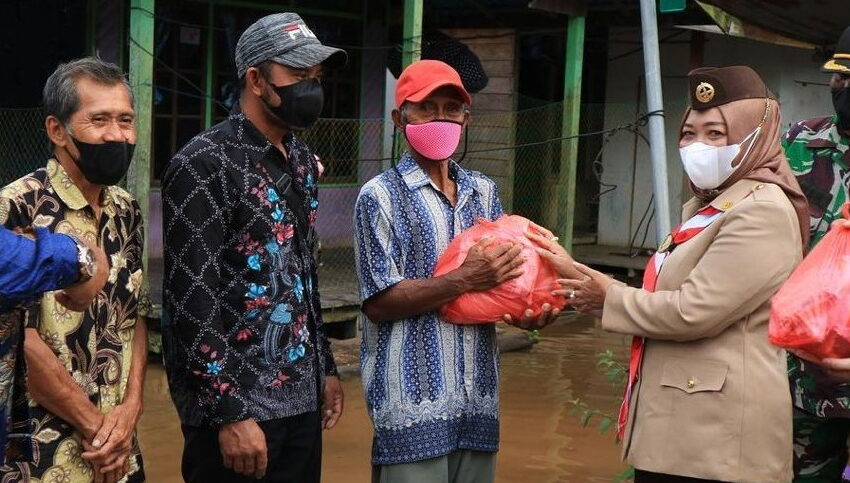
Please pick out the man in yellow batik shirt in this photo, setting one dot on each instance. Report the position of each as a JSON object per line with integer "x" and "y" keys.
{"x": 85, "y": 369}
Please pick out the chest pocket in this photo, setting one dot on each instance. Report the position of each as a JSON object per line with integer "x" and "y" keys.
{"x": 692, "y": 376}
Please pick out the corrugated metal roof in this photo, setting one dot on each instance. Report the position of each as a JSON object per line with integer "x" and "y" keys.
{"x": 819, "y": 22}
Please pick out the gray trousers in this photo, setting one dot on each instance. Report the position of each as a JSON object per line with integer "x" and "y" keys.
{"x": 462, "y": 466}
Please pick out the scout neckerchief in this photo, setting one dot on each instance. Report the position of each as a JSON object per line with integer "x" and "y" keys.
{"x": 682, "y": 233}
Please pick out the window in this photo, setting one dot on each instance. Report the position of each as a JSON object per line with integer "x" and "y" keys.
{"x": 179, "y": 77}
{"x": 182, "y": 66}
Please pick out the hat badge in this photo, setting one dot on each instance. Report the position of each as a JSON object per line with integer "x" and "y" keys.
{"x": 704, "y": 92}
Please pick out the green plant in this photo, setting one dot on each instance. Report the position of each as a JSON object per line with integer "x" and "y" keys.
{"x": 588, "y": 414}
{"x": 533, "y": 336}
{"x": 625, "y": 475}
{"x": 617, "y": 374}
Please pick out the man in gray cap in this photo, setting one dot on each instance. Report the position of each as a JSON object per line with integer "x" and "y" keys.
{"x": 250, "y": 369}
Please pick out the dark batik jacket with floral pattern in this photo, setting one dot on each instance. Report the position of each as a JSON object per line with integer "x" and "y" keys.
{"x": 242, "y": 329}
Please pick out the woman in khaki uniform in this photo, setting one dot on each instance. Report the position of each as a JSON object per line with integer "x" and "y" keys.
{"x": 708, "y": 395}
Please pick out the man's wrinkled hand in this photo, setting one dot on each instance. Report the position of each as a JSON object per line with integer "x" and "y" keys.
{"x": 528, "y": 321}
{"x": 114, "y": 438}
{"x": 243, "y": 448}
{"x": 487, "y": 266}
{"x": 104, "y": 474}
{"x": 332, "y": 402}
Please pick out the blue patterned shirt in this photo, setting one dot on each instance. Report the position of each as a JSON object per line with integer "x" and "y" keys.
{"x": 431, "y": 387}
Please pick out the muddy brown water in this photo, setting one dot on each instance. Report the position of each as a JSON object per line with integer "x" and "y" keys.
{"x": 540, "y": 440}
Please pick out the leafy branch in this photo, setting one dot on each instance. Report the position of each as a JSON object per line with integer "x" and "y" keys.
{"x": 588, "y": 414}
{"x": 617, "y": 374}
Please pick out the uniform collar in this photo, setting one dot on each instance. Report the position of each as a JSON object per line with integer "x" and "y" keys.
{"x": 248, "y": 134}
{"x": 725, "y": 200}
{"x": 734, "y": 194}
{"x": 246, "y": 131}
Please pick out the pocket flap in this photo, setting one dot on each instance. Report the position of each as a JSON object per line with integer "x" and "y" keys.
{"x": 693, "y": 376}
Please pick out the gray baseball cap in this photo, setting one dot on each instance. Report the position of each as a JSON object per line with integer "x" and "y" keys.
{"x": 284, "y": 38}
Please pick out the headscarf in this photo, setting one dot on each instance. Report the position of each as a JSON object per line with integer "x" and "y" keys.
{"x": 765, "y": 159}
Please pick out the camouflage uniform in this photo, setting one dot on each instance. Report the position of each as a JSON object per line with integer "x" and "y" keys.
{"x": 820, "y": 158}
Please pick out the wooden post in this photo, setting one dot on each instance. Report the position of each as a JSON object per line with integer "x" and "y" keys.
{"x": 570, "y": 127}
{"x": 411, "y": 52}
{"x": 412, "y": 40}
{"x": 141, "y": 80}
{"x": 210, "y": 71}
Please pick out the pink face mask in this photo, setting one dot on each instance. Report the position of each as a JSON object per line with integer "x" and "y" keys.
{"x": 435, "y": 140}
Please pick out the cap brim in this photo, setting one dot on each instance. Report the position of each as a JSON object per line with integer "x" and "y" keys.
{"x": 420, "y": 95}
{"x": 311, "y": 55}
{"x": 836, "y": 66}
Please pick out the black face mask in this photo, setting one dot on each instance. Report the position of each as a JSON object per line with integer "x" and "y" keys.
{"x": 104, "y": 164}
{"x": 300, "y": 103}
{"x": 841, "y": 102}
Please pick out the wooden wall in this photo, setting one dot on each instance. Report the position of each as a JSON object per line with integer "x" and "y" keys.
{"x": 493, "y": 119}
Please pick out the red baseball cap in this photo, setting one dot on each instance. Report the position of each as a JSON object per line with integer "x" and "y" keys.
{"x": 423, "y": 77}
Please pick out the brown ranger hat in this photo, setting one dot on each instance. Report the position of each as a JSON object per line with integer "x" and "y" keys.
{"x": 715, "y": 86}
{"x": 840, "y": 61}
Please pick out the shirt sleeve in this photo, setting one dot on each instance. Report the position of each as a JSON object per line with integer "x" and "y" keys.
{"x": 375, "y": 247}
{"x": 496, "y": 209}
{"x": 754, "y": 243}
{"x": 29, "y": 267}
{"x": 328, "y": 362}
{"x": 195, "y": 218}
{"x": 137, "y": 274}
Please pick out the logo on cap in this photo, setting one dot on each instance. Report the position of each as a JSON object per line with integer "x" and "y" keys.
{"x": 294, "y": 29}
{"x": 705, "y": 92}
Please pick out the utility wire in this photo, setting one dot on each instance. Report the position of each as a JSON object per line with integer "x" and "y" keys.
{"x": 640, "y": 121}
{"x": 399, "y": 46}
{"x": 638, "y": 49}
{"x": 361, "y": 47}
{"x": 632, "y": 127}
{"x": 177, "y": 73}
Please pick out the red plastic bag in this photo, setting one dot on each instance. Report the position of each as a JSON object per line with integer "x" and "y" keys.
{"x": 530, "y": 290}
{"x": 811, "y": 312}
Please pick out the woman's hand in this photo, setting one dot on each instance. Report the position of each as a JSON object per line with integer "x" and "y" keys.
{"x": 588, "y": 293}
{"x": 549, "y": 250}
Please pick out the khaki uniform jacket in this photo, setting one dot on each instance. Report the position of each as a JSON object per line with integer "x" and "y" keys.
{"x": 712, "y": 399}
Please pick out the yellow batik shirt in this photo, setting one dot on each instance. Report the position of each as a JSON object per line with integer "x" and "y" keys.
{"x": 95, "y": 346}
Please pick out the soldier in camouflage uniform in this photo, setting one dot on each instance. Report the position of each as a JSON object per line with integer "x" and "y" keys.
{"x": 819, "y": 152}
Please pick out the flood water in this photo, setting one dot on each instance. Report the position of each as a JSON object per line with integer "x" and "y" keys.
{"x": 540, "y": 440}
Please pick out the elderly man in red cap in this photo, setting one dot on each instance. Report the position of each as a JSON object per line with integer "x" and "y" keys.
{"x": 432, "y": 388}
